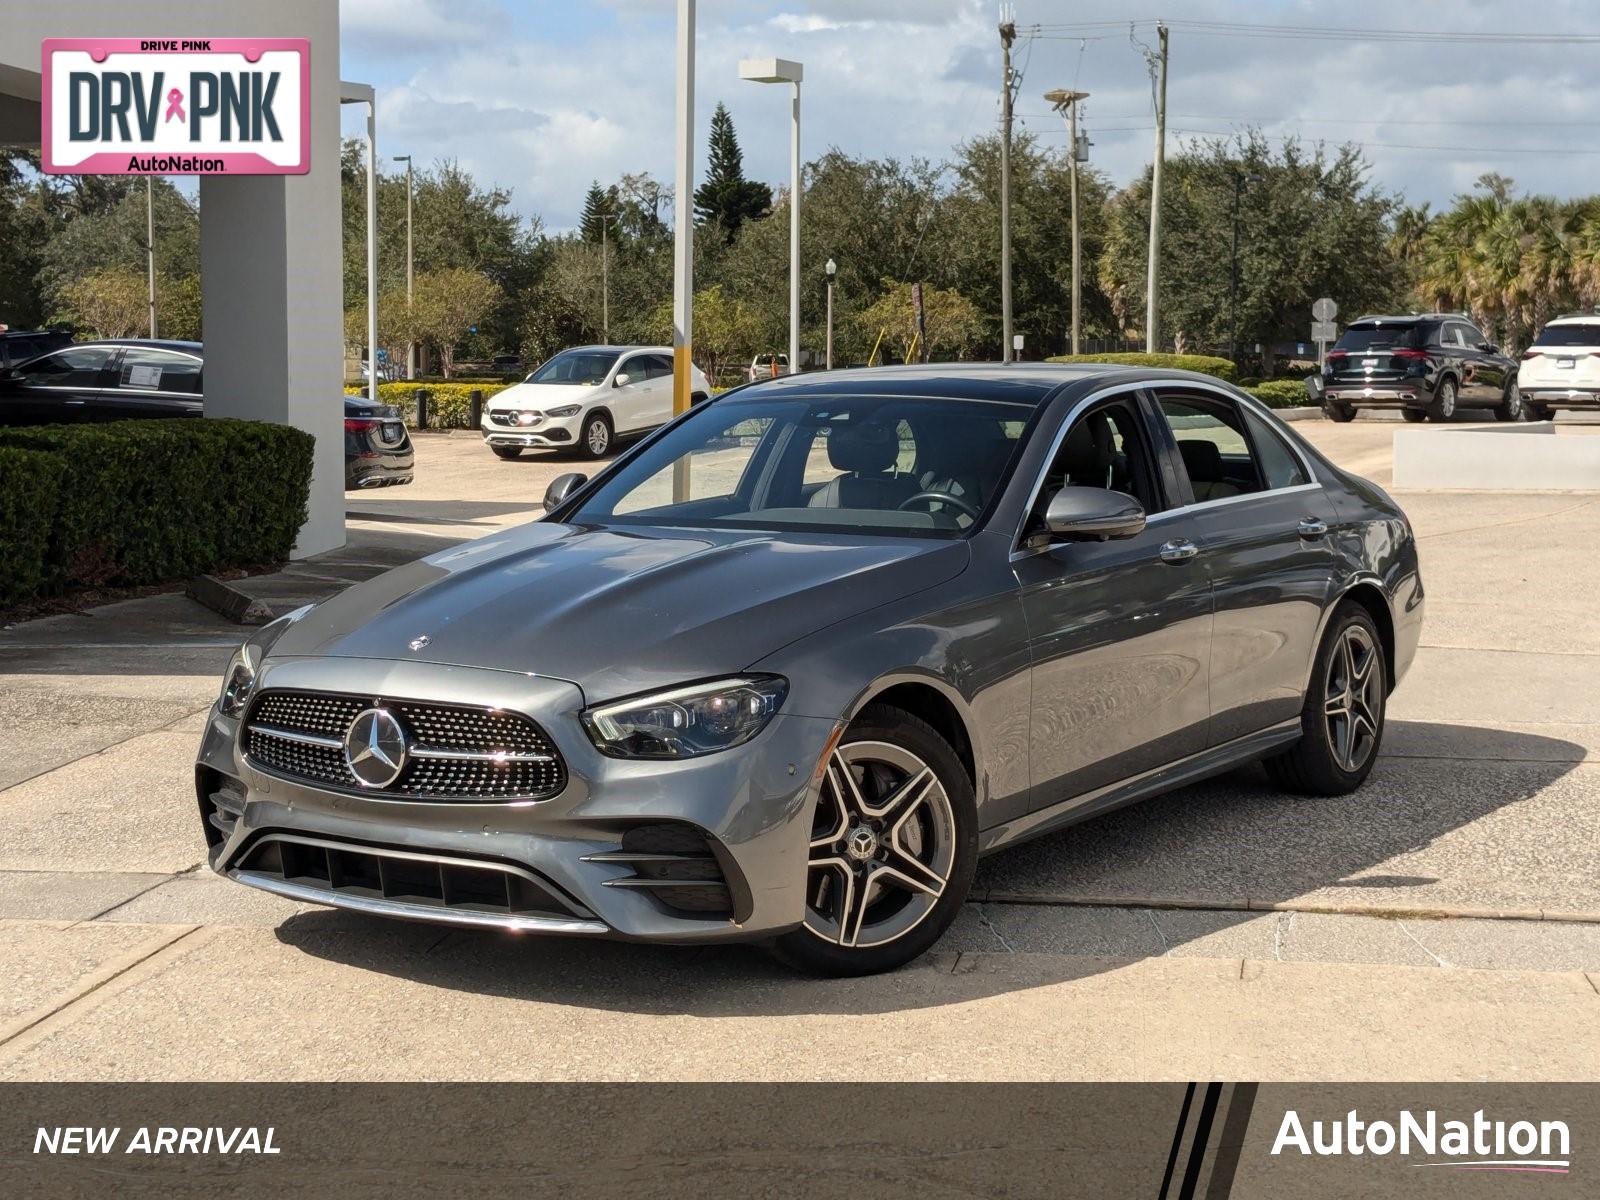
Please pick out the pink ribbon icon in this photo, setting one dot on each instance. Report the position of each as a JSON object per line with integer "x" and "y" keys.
{"x": 175, "y": 105}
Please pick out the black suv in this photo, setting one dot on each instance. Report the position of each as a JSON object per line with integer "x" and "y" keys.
{"x": 1426, "y": 365}
{"x": 19, "y": 345}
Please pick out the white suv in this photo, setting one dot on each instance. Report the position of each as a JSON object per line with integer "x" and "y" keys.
{"x": 586, "y": 398}
{"x": 1562, "y": 367}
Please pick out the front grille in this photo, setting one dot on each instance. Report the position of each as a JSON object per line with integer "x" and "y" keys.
{"x": 454, "y": 752}
{"x": 677, "y": 864}
{"x": 406, "y": 877}
{"x": 508, "y": 420}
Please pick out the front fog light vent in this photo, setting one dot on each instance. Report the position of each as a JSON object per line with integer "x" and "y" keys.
{"x": 676, "y": 864}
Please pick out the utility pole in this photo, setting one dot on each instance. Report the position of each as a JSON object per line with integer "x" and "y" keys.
{"x": 1152, "y": 331}
{"x": 683, "y": 236}
{"x": 1066, "y": 100}
{"x": 150, "y": 248}
{"x": 1008, "y": 34}
{"x": 605, "y": 280}
{"x": 411, "y": 345}
{"x": 1240, "y": 178}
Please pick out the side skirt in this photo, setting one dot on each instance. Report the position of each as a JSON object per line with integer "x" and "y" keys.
{"x": 1212, "y": 761}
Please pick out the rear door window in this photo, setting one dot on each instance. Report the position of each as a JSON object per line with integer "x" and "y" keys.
{"x": 150, "y": 370}
{"x": 1279, "y": 464}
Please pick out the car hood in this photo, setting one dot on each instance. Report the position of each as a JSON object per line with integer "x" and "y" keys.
{"x": 540, "y": 396}
{"x": 618, "y": 611}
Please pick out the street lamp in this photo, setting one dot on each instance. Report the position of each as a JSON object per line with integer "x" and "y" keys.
{"x": 1240, "y": 178}
{"x": 363, "y": 93}
{"x": 411, "y": 346}
{"x": 1065, "y": 102}
{"x": 781, "y": 70}
{"x": 832, "y": 268}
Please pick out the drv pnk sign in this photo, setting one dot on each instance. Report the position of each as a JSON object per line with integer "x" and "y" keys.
{"x": 171, "y": 106}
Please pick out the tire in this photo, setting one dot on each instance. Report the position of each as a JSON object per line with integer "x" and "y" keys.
{"x": 929, "y": 841}
{"x": 1323, "y": 762}
{"x": 1510, "y": 407}
{"x": 1444, "y": 400}
{"x": 597, "y": 436}
{"x": 1415, "y": 416}
{"x": 1538, "y": 412}
{"x": 1335, "y": 411}
{"x": 509, "y": 453}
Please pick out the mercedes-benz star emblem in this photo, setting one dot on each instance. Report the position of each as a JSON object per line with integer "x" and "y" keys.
{"x": 417, "y": 643}
{"x": 375, "y": 748}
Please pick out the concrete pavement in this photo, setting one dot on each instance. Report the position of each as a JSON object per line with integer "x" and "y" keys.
{"x": 1224, "y": 930}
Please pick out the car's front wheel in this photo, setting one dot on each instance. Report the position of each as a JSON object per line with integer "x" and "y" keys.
{"x": 597, "y": 434}
{"x": 1414, "y": 416}
{"x": 893, "y": 847}
{"x": 509, "y": 453}
{"x": 1335, "y": 410}
{"x": 1342, "y": 720}
{"x": 1540, "y": 412}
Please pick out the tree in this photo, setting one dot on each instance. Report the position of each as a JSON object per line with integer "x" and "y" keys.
{"x": 113, "y": 303}
{"x": 599, "y": 210}
{"x": 726, "y": 200}
{"x": 725, "y": 333}
{"x": 448, "y": 304}
{"x": 1312, "y": 227}
{"x": 952, "y": 321}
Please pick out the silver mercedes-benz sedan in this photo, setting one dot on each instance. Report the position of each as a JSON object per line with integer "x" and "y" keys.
{"x": 784, "y": 670}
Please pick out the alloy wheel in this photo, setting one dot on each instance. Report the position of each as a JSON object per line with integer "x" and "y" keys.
{"x": 1353, "y": 703}
{"x": 598, "y": 438}
{"x": 883, "y": 846}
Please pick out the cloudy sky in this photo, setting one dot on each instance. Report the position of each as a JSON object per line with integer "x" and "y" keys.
{"x": 542, "y": 96}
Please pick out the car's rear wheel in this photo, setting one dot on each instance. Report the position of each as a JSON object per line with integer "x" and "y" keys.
{"x": 1510, "y": 406}
{"x": 1414, "y": 416}
{"x": 597, "y": 435}
{"x": 1336, "y": 411}
{"x": 893, "y": 846}
{"x": 1342, "y": 721}
{"x": 509, "y": 453}
{"x": 1444, "y": 401}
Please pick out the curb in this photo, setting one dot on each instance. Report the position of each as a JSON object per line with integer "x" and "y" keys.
{"x": 228, "y": 601}
{"x": 1299, "y": 413}
{"x": 1226, "y": 904}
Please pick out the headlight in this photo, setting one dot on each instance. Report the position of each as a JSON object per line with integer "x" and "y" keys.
{"x": 687, "y": 721}
{"x": 238, "y": 682}
{"x": 566, "y": 410}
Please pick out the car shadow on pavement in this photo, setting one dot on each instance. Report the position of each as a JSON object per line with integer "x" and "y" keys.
{"x": 1222, "y": 842}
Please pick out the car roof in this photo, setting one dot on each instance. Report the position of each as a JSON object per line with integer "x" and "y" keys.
{"x": 1588, "y": 318}
{"x": 152, "y": 343}
{"x": 615, "y": 349}
{"x": 1023, "y": 383}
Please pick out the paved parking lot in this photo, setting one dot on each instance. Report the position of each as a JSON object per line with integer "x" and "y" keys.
{"x": 1442, "y": 923}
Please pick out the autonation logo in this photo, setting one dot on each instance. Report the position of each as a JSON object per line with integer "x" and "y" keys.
{"x": 1478, "y": 1144}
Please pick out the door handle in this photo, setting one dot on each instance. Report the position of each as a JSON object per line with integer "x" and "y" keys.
{"x": 1311, "y": 527}
{"x": 1178, "y": 550}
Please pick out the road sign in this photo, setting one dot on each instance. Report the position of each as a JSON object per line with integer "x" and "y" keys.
{"x": 383, "y": 355}
{"x": 1324, "y": 331}
{"x": 1324, "y": 309}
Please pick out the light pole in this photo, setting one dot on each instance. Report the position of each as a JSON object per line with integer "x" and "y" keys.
{"x": 683, "y": 236}
{"x": 1240, "y": 178}
{"x": 832, "y": 268}
{"x": 1065, "y": 102}
{"x": 150, "y": 248}
{"x": 363, "y": 93}
{"x": 605, "y": 280}
{"x": 781, "y": 70}
{"x": 411, "y": 346}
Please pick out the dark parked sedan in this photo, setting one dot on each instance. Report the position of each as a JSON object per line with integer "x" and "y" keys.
{"x": 104, "y": 381}
{"x": 787, "y": 667}
{"x": 377, "y": 449}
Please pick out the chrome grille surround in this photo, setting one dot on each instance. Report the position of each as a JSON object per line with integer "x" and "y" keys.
{"x": 456, "y": 753}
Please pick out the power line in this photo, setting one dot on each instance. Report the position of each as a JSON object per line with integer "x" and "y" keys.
{"x": 1072, "y": 31}
{"x": 1191, "y": 132}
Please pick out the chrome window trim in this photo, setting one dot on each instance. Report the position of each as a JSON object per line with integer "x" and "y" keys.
{"x": 1248, "y": 402}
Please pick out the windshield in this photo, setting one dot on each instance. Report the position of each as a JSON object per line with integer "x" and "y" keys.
{"x": 1381, "y": 336}
{"x": 1574, "y": 334}
{"x": 901, "y": 466}
{"x": 576, "y": 366}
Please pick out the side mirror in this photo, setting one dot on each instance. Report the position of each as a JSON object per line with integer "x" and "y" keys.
{"x": 1488, "y": 347}
{"x": 561, "y": 487}
{"x": 1078, "y": 513}
{"x": 622, "y": 380}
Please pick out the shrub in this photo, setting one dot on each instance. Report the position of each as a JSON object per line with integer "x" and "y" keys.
{"x": 1221, "y": 368}
{"x": 1281, "y": 393}
{"x": 450, "y": 408}
{"x": 30, "y": 484}
{"x": 146, "y": 501}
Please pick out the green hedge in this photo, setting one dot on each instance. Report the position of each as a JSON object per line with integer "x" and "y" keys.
{"x": 1221, "y": 368}
{"x": 148, "y": 501}
{"x": 450, "y": 408}
{"x": 1281, "y": 393}
{"x": 30, "y": 485}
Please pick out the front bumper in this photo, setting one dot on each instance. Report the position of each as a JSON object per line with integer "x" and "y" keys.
{"x": 754, "y": 803}
{"x": 548, "y": 433}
